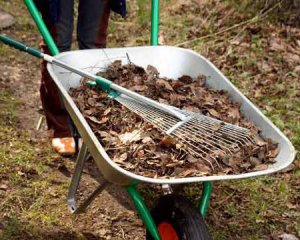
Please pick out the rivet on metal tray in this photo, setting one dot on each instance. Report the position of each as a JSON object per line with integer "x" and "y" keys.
{"x": 167, "y": 189}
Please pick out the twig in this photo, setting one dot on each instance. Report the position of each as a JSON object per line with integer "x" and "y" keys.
{"x": 128, "y": 59}
{"x": 252, "y": 20}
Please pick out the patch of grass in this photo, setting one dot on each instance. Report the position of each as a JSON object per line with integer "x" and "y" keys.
{"x": 8, "y": 107}
{"x": 28, "y": 200}
{"x": 143, "y": 14}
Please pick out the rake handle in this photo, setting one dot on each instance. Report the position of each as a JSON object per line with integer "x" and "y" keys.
{"x": 20, "y": 46}
{"x": 102, "y": 82}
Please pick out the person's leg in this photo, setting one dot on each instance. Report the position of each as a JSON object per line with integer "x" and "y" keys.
{"x": 93, "y": 17}
{"x": 56, "y": 115}
{"x": 65, "y": 25}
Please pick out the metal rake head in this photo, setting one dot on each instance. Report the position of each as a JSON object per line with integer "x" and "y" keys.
{"x": 205, "y": 137}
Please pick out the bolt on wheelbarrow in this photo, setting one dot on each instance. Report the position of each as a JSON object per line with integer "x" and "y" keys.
{"x": 174, "y": 216}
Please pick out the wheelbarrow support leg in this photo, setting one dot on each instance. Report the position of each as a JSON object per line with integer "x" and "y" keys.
{"x": 205, "y": 197}
{"x": 143, "y": 211}
{"x": 71, "y": 200}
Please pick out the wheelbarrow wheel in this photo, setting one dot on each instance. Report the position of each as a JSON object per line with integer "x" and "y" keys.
{"x": 177, "y": 218}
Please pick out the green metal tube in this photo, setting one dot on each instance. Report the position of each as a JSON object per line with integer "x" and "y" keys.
{"x": 143, "y": 211}
{"x": 20, "y": 46}
{"x": 154, "y": 22}
{"x": 42, "y": 27}
{"x": 205, "y": 197}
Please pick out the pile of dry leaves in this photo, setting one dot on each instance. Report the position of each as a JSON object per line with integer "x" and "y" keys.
{"x": 140, "y": 148}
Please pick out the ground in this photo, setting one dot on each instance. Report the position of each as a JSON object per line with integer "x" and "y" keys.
{"x": 260, "y": 55}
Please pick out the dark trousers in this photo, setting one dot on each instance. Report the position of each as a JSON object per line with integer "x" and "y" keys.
{"x": 92, "y": 27}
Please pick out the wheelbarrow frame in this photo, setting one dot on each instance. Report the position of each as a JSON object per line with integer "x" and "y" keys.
{"x": 138, "y": 201}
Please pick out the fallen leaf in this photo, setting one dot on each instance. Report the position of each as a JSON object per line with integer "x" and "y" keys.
{"x": 20, "y": 173}
{"x": 259, "y": 141}
{"x": 260, "y": 167}
{"x": 192, "y": 159}
{"x": 152, "y": 70}
{"x": 174, "y": 164}
{"x": 273, "y": 153}
{"x": 188, "y": 172}
{"x": 120, "y": 158}
{"x": 185, "y": 79}
{"x": 165, "y": 84}
{"x": 202, "y": 168}
{"x": 254, "y": 161}
{"x": 91, "y": 101}
{"x": 291, "y": 206}
{"x": 216, "y": 126}
{"x": 147, "y": 139}
{"x": 95, "y": 120}
{"x": 214, "y": 113}
{"x": 287, "y": 236}
{"x": 3, "y": 187}
{"x": 234, "y": 113}
{"x": 130, "y": 137}
{"x": 168, "y": 142}
{"x": 138, "y": 88}
{"x": 107, "y": 111}
{"x": 276, "y": 45}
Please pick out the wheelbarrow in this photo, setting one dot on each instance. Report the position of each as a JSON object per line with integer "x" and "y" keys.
{"x": 174, "y": 217}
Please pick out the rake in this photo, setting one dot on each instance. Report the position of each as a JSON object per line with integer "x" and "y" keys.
{"x": 204, "y": 137}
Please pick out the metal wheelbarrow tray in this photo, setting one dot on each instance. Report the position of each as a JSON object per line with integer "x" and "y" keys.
{"x": 171, "y": 62}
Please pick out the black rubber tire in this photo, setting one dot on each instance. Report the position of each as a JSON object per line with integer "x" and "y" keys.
{"x": 182, "y": 215}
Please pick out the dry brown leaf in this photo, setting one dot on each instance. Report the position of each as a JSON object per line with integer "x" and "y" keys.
{"x": 186, "y": 79}
{"x": 259, "y": 141}
{"x": 91, "y": 102}
{"x": 107, "y": 111}
{"x": 174, "y": 164}
{"x": 234, "y": 113}
{"x": 165, "y": 84}
{"x": 254, "y": 161}
{"x": 261, "y": 167}
{"x": 152, "y": 70}
{"x": 21, "y": 173}
{"x": 95, "y": 120}
{"x": 273, "y": 153}
{"x": 3, "y": 187}
{"x": 168, "y": 142}
{"x": 192, "y": 159}
{"x": 88, "y": 112}
{"x": 147, "y": 139}
{"x": 188, "y": 172}
{"x": 120, "y": 158}
{"x": 138, "y": 88}
{"x": 202, "y": 168}
{"x": 216, "y": 126}
{"x": 129, "y": 137}
{"x": 213, "y": 112}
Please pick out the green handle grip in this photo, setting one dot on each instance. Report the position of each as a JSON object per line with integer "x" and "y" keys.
{"x": 105, "y": 85}
{"x": 20, "y": 46}
{"x": 100, "y": 82}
